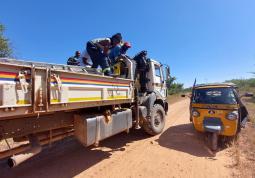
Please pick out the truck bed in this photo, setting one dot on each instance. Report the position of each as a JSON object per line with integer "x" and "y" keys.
{"x": 33, "y": 88}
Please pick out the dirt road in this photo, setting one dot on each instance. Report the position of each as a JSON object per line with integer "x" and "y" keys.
{"x": 178, "y": 152}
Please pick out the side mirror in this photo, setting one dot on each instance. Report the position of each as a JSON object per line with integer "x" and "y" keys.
{"x": 248, "y": 95}
{"x": 168, "y": 72}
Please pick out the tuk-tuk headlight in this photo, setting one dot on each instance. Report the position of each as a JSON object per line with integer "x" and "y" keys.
{"x": 195, "y": 113}
{"x": 232, "y": 115}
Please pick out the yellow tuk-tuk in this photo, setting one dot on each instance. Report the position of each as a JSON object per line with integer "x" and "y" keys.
{"x": 217, "y": 110}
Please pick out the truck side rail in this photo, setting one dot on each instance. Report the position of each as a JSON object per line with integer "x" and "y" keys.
{"x": 32, "y": 88}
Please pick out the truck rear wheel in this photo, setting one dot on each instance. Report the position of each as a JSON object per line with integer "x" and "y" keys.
{"x": 155, "y": 124}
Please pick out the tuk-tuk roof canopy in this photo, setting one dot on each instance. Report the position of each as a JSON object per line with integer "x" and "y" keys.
{"x": 214, "y": 85}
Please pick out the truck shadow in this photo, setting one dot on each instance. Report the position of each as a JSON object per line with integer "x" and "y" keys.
{"x": 69, "y": 158}
{"x": 184, "y": 138}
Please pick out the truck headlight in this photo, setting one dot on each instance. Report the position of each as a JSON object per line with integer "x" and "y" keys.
{"x": 195, "y": 113}
{"x": 232, "y": 115}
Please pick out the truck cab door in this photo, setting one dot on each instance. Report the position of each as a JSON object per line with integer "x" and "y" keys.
{"x": 159, "y": 83}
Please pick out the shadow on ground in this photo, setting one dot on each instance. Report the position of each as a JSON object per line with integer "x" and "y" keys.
{"x": 69, "y": 158}
{"x": 184, "y": 138}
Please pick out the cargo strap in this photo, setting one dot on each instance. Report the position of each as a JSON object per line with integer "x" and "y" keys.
{"x": 97, "y": 131}
{"x": 108, "y": 116}
{"x": 57, "y": 79}
{"x": 106, "y": 69}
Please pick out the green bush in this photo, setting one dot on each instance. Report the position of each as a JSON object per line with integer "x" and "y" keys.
{"x": 246, "y": 85}
{"x": 174, "y": 87}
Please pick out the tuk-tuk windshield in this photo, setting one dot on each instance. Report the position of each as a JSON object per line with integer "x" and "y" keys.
{"x": 214, "y": 96}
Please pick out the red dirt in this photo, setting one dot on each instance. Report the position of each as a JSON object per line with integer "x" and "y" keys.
{"x": 178, "y": 152}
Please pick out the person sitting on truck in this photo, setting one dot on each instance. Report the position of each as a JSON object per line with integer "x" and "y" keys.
{"x": 74, "y": 60}
{"x": 98, "y": 51}
{"x": 118, "y": 66}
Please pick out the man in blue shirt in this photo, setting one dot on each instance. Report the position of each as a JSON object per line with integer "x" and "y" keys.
{"x": 98, "y": 51}
{"x": 118, "y": 50}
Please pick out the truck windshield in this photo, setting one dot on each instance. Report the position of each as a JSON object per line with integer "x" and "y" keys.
{"x": 214, "y": 96}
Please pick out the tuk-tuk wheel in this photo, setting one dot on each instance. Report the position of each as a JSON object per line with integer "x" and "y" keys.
{"x": 213, "y": 139}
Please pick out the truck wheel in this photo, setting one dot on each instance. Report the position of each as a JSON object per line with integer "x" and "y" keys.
{"x": 155, "y": 124}
{"x": 213, "y": 139}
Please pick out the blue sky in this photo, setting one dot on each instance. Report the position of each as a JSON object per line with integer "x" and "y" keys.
{"x": 211, "y": 40}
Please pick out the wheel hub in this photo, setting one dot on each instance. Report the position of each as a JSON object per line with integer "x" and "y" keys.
{"x": 157, "y": 119}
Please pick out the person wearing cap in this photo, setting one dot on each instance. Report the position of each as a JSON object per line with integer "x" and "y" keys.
{"x": 74, "y": 60}
{"x": 98, "y": 51}
{"x": 118, "y": 50}
{"x": 124, "y": 48}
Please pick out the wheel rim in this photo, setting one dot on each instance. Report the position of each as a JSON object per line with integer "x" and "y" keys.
{"x": 158, "y": 118}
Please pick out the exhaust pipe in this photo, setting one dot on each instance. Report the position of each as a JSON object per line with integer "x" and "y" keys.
{"x": 29, "y": 150}
{"x": 34, "y": 149}
{"x": 137, "y": 117}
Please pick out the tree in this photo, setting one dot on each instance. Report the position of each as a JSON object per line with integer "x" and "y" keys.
{"x": 5, "y": 46}
{"x": 170, "y": 81}
{"x": 174, "y": 87}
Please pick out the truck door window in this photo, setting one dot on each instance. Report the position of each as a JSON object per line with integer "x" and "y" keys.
{"x": 157, "y": 70}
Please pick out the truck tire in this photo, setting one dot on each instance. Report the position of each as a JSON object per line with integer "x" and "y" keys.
{"x": 155, "y": 124}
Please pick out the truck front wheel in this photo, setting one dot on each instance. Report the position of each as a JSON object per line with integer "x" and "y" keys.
{"x": 156, "y": 122}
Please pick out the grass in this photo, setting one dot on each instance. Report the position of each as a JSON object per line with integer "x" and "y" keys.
{"x": 244, "y": 148}
{"x": 250, "y": 104}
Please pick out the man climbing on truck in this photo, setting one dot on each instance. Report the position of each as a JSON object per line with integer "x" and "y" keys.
{"x": 98, "y": 51}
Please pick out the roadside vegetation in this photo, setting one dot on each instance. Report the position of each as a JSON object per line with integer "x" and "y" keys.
{"x": 174, "y": 90}
{"x": 244, "y": 148}
{"x": 244, "y": 85}
{"x": 5, "y": 45}
{"x": 247, "y": 85}
{"x": 174, "y": 86}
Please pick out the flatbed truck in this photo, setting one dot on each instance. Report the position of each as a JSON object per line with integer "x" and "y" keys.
{"x": 41, "y": 103}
